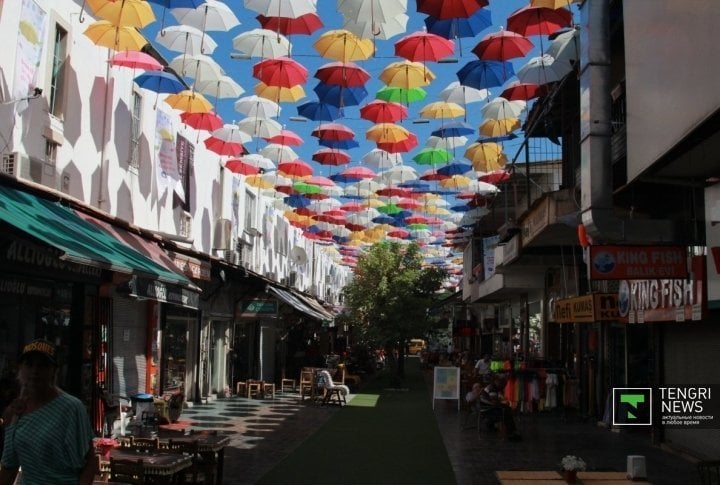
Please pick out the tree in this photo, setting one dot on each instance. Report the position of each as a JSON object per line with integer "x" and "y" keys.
{"x": 389, "y": 297}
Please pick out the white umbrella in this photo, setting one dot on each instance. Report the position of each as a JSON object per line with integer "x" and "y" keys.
{"x": 282, "y": 8}
{"x": 380, "y": 159}
{"x": 543, "y": 70}
{"x": 211, "y": 15}
{"x": 566, "y": 46}
{"x": 324, "y": 205}
{"x": 260, "y": 127}
{"x": 367, "y": 29}
{"x": 186, "y": 39}
{"x": 279, "y": 153}
{"x": 482, "y": 188}
{"x": 367, "y": 185}
{"x": 231, "y": 134}
{"x": 502, "y": 109}
{"x": 372, "y": 11}
{"x": 399, "y": 173}
{"x": 449, "y": 143}
{"x": 197, "y": 67}
{"x": 257, "y": 106}
{"x": 262, "y": 43}
{"x": 462, "y": 95}
{"x": 224, "y": 87}
{"x": 258, "y": 161}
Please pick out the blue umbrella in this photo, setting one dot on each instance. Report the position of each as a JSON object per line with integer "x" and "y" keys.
{"x": 297, "y": 201}
{"x": 459, "y": 27}
{"x": 159, "y": 82}
{"x": 383, "y": 219}
{"x": 340, "y": 144}
{"x": 453, "y": 128}
{"x": 485, "y": 74}
{"x": 416, "y": 185}
{"x": 317, "y": 111}
{"x": 340, "y": 95}
{"x": 496, "y": 139}
{"x": 454, "y": 168}
{"x": 460, "y": 208}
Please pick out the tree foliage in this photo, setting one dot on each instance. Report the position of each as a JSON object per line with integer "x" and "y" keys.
{"x": 389, "y": 297}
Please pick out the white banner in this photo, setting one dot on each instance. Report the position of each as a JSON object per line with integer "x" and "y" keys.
{"x": 30, "y": 42}
{"x": 166, "y": 169}
{"x": 489, "y": 244}
{"x": 712, "y": 238}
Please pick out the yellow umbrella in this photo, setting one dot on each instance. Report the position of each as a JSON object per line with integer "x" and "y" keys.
{"x": 455, "y": 182}
{"x": 124, "y": 13}
{"x": 259, "y": 182}
{"x": 387, "y": 133}
{"x": 486, "y": 157}
{"x": 280, "y": 94}
{"x": 407, "y": 75}
{"x": 435, "y": 210}
{"x": 189, "y": 102}
{"x": 342, "y": 45}
{"x": 442, "y": 109}
{"x": 553, "y": 4}
{"x": 492, "y": 128}
{"x": 115, "y": 37}
{"x": 28, "y": 30}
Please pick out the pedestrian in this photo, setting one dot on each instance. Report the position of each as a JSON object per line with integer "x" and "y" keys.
{"x": 482, "y": 368}
{"x": 47, "y": 431}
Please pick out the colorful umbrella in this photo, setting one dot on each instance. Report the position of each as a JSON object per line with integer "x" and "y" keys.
{"x": 318, "y": 111}
{"x": 424, "y": 46}
{"x": 502, "y": 45}
{"x": 442, "y": 110}
{"x": 357, "y": 173}
{"x": 286, "y": 137}
{"x": 209, "y": 16}
{"x": 186, "y": 39}
{"x": 455, "y": 168}
{"x": 485, "y": 74}
{"x": 202, "y": 121}
{"x": 340, "y": 95}
{"x": 406, "y": 74}
{"x": 432, "y": 156}
{"x": 517, "y": 91}
{"x": 260, "y": 127}
{"x": 305, "y": 24}
{"x": 222, "y": 147}
{"x": 159, "y": 82}
{"x": 456, "y": 27}
{"x": 368, "y": 29}
{"x": 296, "y": 168}
{"x": 257, "y": 106}
{"x": 453, "y": 129}
{"x": 499, "y": 127}
{"x": 280, "y": 71}
{"x": 446, "y": 9}
{"x": 543, "y": 70}
{"x": 400, "y": 95}
{"x": 335, "y": 131}
{"x": 338, "y": 144}
{"x": 342, "y": 74}
{"x": 197, "y": 66}
{"x": 281, "y": 8}
{"x": 400, "y": 146}
{"x": 495, "y": 177}
{"x": 126, "y": 13}
{"x": 135, "y": 60}
{"x": 241, "y": 168}
{"x": 565, "y": 46}
{"x": 329, "y": 156}
{"x": 531, "y": 20}
{"x": 500, "y": 109}
{"x": 379, "y": 111}
{"x": 115, "y": 37}
{"x": 387, "y": 133}
{"x": 343, "y": 45}
{"x": 189, "y": 101}
{"x": 486, "y": 157}
{"x": 262, "y": 43}
{"x": 279, "y": 94}
{"x": 381, "y": 159}
{"x": 279, "y": 153}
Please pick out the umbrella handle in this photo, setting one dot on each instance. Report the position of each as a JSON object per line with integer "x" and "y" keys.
{"x": 81, "y": 18}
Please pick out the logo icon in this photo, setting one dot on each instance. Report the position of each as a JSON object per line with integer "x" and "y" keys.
{"x": 604, "y": 262}
{"x": 632, "y": 406}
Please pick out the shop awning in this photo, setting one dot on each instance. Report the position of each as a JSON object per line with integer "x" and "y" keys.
{"x": 314, "y": 304}
{"x": 295, "y": 302}
{"x": 80, "y": 241}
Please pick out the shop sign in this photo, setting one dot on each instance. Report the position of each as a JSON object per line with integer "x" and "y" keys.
{"x": 596, "y": 307}
{"x": 31, "y": 256}
{"x": 663, "y": 300}
{"x": 636, "y": 262}
{"x": 196, "y": 269}
{"x": 257, "y": 308}
{"x": 536, "y": 221}
{"x": 164, "y": 292}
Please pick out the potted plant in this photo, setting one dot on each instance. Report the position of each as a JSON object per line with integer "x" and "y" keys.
{"x": 570, "y": 465}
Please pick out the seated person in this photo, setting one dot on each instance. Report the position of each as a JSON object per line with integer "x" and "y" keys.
{"x": 473, "y": 394}
{"x": 497, "y": 408}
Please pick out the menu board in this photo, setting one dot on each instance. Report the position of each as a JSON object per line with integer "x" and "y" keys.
{"x": 446, "y": 384}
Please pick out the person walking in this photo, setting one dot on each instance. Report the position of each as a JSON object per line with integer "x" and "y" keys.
{"x": 48, "y": 435}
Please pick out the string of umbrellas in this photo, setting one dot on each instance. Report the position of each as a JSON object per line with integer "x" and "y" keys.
{"x": 375, "y": 196}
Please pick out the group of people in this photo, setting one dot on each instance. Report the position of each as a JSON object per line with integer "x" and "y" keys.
{"x": 47, "y": 432}
{"x": 486, "y": 396}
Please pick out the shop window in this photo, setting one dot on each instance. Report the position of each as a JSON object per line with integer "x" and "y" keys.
{"x": 57, "y": 75}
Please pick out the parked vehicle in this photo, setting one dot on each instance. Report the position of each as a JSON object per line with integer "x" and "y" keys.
{"x": 415, "y": 346}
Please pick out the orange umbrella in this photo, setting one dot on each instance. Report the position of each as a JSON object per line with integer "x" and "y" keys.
{"x": 406, "y": 74}
{"x": 387, "y": 133}
{"x": 486, "y": 157}
{"x": 125, "y": 13}
{"x": 189, "y": 102}
{"x": 342, "y": 45}
{"x": 115, "y": 37}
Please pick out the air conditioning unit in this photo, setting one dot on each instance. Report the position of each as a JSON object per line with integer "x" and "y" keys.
{"x": 19, "y": 165}
{"x": 233, "y": 257}
{"x": 186, "y": 220}
{"x": 292, "y": 278}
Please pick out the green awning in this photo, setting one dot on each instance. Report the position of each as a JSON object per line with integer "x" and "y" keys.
{"x": 79, "y": 240}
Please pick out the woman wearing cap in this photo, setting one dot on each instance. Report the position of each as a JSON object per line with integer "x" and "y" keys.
{"x": 47, "y": 431}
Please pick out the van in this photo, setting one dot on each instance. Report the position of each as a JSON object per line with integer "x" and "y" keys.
{"x": 415, "y": 346}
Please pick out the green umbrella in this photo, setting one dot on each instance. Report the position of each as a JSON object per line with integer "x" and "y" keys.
{"x": 401, "y": 95}
{"x": 416, "y": 227}
{"x": 303, "y": 188}
{"x": 389, "y": 209}
{"x": 432, "y": 156}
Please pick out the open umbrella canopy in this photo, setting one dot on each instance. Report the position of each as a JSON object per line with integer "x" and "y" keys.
{"x": 462, "y": 95}
{"x": 453, "y": 129}
{"x": 368, "y": 29}
{"x": 202, "y": 121}
{"x": 135, "y": 60}
{"x": 262, "y": 43}
{"x": 530, "y": 20}
{"x": 279, "y": 153}
{"x": 406, "y": 74}
{"x": 424, "y": 46}
{"x": 340, "y": 95}
{"x": 186, "y": 39}
{"x": 318, "y": 111}
{"x": 342, "y": 74}
{"x": 197, "y": 67}
{"x": 241, "y": 168}
{"x": 518, "y": 91}
{"x": 379, "y": 111}
{"x": 329, "y": 156}
{"x": 502, "y": 45}
{"x": 442, "y": 110}
{"x": 260, "y": 127}
{"x": 305, "y": 24}
{"x": 280, "y": 71}
{"x": 281, "y": 8}
{"x": 565, "y": 46}
{"x": 286, "y": 137}
{"x": 296, "y": 168}
{"x": 399, "y": 146}
{"x": 500, "y": 109}
{"x": 189, "y": 101}
{"x": 500, "y": 127}
{"x": 115, "y": 37}
{"x": 342, "y": 45}
{"x": 486, "y": 157}
{"x": 223, "y": 147}
{"x": 543, "y": 70}
{"x": 223, "y": 87}
{"x": 279, "y": 94}
{"x": 387, "y": 133}
{"x": 400, "y": 95}
{"x": 446, "y": 9}
{"x": 456, "y": 27}
{"x": 482, "y": 74}
{"x": 334, "y": 131}
{"x": 126, "y": 13}
{"x": 159, "y": 82}
{"x": 257, "y": 106}
{"x": 432, "y": 156}
{"x": 211, "y": 15}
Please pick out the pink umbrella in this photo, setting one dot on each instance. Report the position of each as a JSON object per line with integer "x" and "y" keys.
{"x": 357, "y": 172}
{"x": 135, "y": 60}
{"x": 286, "y": 137}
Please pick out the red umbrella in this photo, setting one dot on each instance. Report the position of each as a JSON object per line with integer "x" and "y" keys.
{"x": 241, "y": 168}
{"x": 342, "y": 74}
{"x": 495, "y": 177}
{"x": 335, "y": 216}
{"x": 448, "y": 9}
{"x": 358, "y": 172}
{"x": 531, "y": 20}
{"x": 202, "y": 121}
{"x": 333, "y": 131}
{"x": 302, "y": 25}
{"x": 286, "y": 137}
{"x": 296, "y": 168}
{"x": 503, "y": 45}
{"x": 399, "y": 233}
{"x": 331, "y": 156}
{"x": 379, "y": 111}
{"x": 416, "y": 219}
{"x": 222, "y": 147}
{"x": 432, "y": 174}
{"x": 409, "y": 204}
{"x": 319, "y": 180}
{"x": 401, "y": 146}
{"x": 352, "y": 207}
{"x": 424, "y": 46}
{"x": 394, "y": 191}
{"x": 280, "y": 71}
{"x": 517, "y": 91}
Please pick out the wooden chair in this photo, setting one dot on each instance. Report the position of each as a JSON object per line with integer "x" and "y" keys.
{"x": 127, "y": 471}
{"x": 334, "y": 393}
{"x": 241, "y": 388}
{"x": 254, "y": 388}
{"x": 284, "y": 381}
{"x": 268, "y": 389}
{"x": 307, "y": 383}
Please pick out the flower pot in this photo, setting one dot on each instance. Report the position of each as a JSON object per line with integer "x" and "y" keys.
{"x": 570, "y": 476}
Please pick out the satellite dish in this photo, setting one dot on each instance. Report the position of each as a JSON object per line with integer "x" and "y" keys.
{"x": 298, "y": 255}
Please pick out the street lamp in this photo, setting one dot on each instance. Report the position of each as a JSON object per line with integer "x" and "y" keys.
{"x": 347, "y": 337}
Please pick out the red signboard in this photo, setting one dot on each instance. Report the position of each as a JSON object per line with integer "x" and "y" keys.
{"x": 637, "y": 262}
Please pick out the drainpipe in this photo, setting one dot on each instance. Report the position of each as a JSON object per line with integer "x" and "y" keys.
{"x": 598, "y": 215}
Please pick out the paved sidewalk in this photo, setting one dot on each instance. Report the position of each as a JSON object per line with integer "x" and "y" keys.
{"x": 266, "y": 431}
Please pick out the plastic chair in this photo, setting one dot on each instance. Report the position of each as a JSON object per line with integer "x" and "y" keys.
{"x": 334, "y": 393}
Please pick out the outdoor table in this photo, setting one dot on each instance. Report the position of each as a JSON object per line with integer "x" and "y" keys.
{"x": 162, "y": 466}
{"x": 552, "y": 477}
{"x": 208, "y": 443}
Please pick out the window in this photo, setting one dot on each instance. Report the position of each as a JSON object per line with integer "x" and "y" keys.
{"x": 57, "y": 76}
{"x": 250, "y": 203}
{"x": 51, "y": 149}
{"x": 135, "y": 130}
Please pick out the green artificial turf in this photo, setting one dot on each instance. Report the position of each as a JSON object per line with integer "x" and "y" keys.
{"x": 384, "y": 435}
